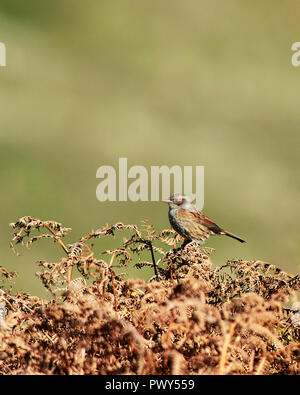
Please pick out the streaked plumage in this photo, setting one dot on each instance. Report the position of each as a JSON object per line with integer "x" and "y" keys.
{"x": 190, "y": 223}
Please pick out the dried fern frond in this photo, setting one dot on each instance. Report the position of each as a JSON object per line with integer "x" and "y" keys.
{"x": 121, "y": 254}
{"x": 5, "y": 273}
{"x": 26, "y": 225}
{"x": 190, "y": 318}
{"x": 110, "y": 230}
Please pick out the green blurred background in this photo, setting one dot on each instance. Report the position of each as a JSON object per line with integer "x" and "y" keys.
{"x": 162, "y": 83}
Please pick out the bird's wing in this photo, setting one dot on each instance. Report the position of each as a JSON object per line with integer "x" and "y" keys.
{"x": 196, "y": 216}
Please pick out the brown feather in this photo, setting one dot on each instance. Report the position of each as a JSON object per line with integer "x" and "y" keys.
{"x": 190, "y": 223}
{"x": 199, "y": 227}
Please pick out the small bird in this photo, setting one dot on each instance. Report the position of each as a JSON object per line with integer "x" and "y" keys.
{"x": 190, "y": 223}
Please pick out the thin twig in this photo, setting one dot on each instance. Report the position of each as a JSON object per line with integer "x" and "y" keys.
{"x": 149, "y": 244}
{"x": 63, "y": 247}
{"x": 153, "y": 259}
{"x": 57, "y": 238}
{"x": 112, "y": 273}
{"x": 10, "y": 305}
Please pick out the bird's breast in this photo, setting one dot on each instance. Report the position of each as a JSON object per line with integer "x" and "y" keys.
{"x": 177, "y": 224}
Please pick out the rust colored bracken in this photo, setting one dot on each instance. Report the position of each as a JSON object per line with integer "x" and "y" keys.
{"x": 189, "y": 318}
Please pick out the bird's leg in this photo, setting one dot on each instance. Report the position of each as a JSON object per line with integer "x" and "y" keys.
{"x": 185, "y": 243}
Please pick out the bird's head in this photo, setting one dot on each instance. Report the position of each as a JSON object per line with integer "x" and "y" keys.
{"x": 178, "y": 200}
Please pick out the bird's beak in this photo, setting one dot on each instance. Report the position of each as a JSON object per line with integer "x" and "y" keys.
{"x": 166, "y": 201}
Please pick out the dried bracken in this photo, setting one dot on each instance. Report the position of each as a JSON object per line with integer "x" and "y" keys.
{"x": 187, "y": 319}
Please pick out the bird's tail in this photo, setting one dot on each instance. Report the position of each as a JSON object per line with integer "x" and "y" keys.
{"x": 224, "y": 232}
